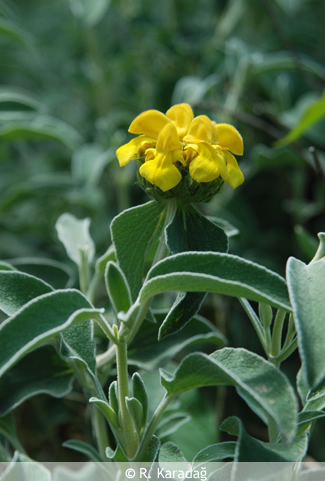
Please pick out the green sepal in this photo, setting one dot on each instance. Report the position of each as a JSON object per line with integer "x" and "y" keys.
{"x": 117, "y": 288}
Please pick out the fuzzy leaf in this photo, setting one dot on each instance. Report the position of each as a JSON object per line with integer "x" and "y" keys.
{"x": 216, "y": 272}
{"x": 39, "y": 320}
{"x": 267, "y": 389}
{"x": 41, "y": 371}
{"x": 249, "y": 449}
{"x": 307, "y": 293}
{"x": 134, "y": 232}
{"x": 74, "y": 235}
{"x": 17, "y": 288}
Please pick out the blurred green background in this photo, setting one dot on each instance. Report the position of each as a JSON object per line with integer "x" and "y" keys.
{"x": 74, "y": 74}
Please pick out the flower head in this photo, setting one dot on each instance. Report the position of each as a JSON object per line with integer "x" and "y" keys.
{"x": 177, "y": 139}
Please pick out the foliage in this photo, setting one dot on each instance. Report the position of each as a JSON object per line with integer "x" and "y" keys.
{"x": 95, "y": 278}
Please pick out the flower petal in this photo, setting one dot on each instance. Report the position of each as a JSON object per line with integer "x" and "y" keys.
{"x": 230, "y": 138}
{"x": 168, "y": 139}
{"x": 208, "y": 165}
{"x": 201, "y": 129}
{"x": 161, "y": 171}
{"x": 134, "y": 149}
{"x": 149, "y": 123}
{"x": 236, "y": 175}
{"x": 182, "y": 115}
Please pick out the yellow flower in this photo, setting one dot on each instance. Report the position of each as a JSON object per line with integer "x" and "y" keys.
{"x": 177, "y": 138}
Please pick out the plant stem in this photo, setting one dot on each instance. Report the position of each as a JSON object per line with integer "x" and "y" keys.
{"x": 152, "y": 426}
{"x": 277, "y": 332}
{"x": 130, "y": 435}
{"x": 100, "y": 428}
{"x": 285, "y": 353}
{"x": 84, "y": 271}
{"x": 256, "y": 323}
{"x": 272, "y": 430}
{"x": 290, "y": 333}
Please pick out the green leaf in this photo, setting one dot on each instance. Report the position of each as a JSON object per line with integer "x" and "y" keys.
{"x": 316, "y": 398}
{"x": 307, "y": 242}
{"x": 249, "y": 449}
{"x": 313, "y": 114}
{"x": 8, "y": 430}
{"x": 191, "y": 231}
{"x": 284, "y": 61}
{"x": 117, "y": 288}
{"x": 147, "y": 353}
{"x": 186, "y": 306}
{"x": 140, "y": 393}
{"x": 89, "y": 162}
{"x": 136, "y": 410}
{"x": 216, "y": 452}
{"x": 170, "y": 424}
{"x": 102, "y": 261}
{"x": 307, "y": 293}
{"x": 78, "y": 344}
{"x": 216, "y": 272}
{"x": 24, "y": 468}
{"x": 38, "y": 321}
{"x": 74, "y": 235}
{"x": 267, "y": 389}
{"x": 151, "y": 454}
{"x": 14, "y": 32}
{"x": 89, "y": 11}
{"x": 41, "y": 371}
{"x": 108, "y": 412}
{"x": 305, "y": 418}
{"x": 6, "y": 266}
{"x": 134, "y": 232}
{"x": 170, "y": 453}
{"x": 37, "y": 126}
{"x": 113, "y": 396}
{"x": 17, "y": 288}
{"x": 85, "y": 449}
{"x": 25, "y": 99}
{"x": 55, "y": 273}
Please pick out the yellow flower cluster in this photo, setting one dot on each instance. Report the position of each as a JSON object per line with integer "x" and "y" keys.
{"x": 179, "y": 138}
